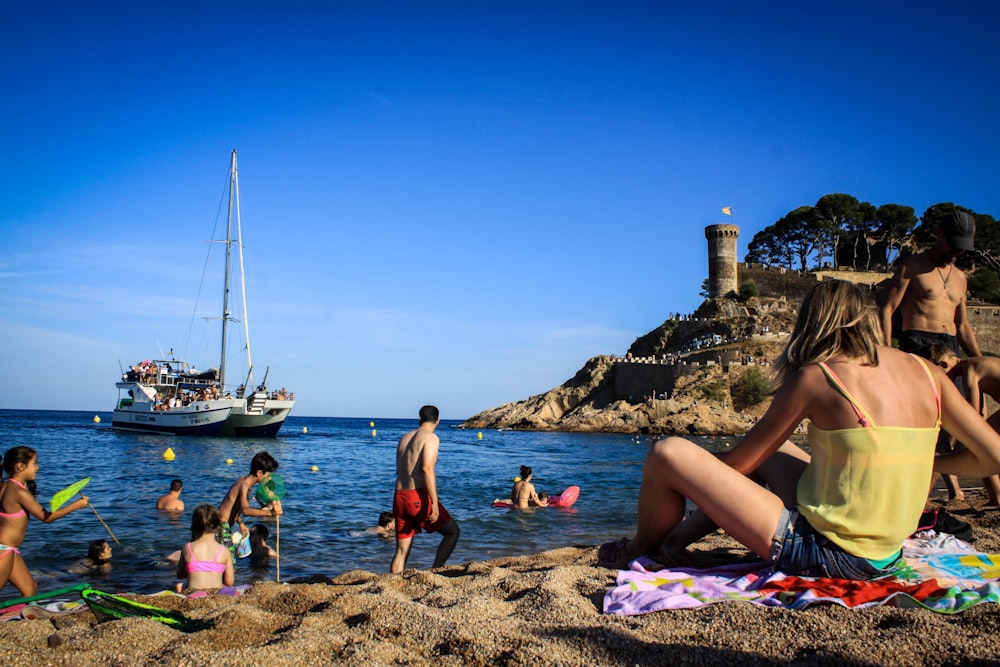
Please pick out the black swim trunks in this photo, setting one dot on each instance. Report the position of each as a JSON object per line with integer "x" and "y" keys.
{"x": 919, "y": 342}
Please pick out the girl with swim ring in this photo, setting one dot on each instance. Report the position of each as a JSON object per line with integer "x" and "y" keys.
{"x": 204, "y": 561}
{"x": 874, "y": 414}
{"x": 17, "y": 502}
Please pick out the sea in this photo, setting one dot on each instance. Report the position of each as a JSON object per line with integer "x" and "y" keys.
{"x": 339, "y": 474}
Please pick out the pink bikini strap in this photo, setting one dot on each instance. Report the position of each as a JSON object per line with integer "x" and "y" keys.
{"x": 934, "y": 387}
{"x": 863, "y": 417}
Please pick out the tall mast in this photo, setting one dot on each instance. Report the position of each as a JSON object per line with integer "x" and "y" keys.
{"x": 225, "y": 291}
{"x": 243, "y": 288}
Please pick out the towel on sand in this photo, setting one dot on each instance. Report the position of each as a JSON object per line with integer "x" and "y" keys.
{"x": 938, "y": 572}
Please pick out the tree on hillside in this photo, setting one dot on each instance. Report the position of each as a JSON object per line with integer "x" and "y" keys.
{"x": 895, "y": 226}
{"x": 800, "y": 234}
{"x": 837, "y": 210}
{"x": 767, "y": 247}
{"x": 864, "y": 226}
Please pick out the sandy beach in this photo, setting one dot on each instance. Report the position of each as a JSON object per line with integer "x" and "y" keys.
{"x": 542, "y": 609}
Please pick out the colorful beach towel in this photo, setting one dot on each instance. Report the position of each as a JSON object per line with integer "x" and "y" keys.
{"x": 938, "y": 572}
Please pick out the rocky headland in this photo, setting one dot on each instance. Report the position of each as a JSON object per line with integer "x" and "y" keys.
{"x": 702, "y": 374}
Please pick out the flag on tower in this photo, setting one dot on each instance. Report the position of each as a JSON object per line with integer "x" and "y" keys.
{"x": 728, "y": 210}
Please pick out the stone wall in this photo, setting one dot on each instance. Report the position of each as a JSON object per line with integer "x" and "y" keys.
{"x": 776, "y": 281}
{"x": 985, "y": 320}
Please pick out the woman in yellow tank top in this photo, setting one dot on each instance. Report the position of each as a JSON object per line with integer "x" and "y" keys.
{"x": 874, "y": 413}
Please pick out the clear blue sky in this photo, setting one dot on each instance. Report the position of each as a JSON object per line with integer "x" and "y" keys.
{"x": 449, "y": 203}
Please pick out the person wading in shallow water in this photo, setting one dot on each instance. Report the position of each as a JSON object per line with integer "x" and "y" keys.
{"x": 416, "y": 505}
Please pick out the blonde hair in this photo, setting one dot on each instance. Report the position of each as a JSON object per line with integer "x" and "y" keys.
{"x": 836, "y": 317}
{"x": 938, "y": 353}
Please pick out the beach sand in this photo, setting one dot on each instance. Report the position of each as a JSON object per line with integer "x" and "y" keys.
{"x": 542, "y": 609}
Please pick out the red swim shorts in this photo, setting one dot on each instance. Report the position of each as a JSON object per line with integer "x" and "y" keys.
{"x": 409, "y": 508}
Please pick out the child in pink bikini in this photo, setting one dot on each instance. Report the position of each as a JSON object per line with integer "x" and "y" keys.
{"x": 204, "y": 562}
{"x": 20, "y": 464}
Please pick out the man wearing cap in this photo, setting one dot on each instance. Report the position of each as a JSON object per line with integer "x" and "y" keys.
{"x": 929, "y": 291}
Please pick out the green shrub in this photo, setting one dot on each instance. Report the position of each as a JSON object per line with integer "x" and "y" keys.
{"x": 751, "y": 387}
{"x": 715, "y": 391}
{"x": 748, "y": 288}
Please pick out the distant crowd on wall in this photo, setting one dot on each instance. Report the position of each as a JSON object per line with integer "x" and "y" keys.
{"x": 698, "y": 344}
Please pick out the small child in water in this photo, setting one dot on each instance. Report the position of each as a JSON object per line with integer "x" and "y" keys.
{"x": 260, "y": 552}
{"x": 204, "y": 562}
{"x": 98, "y": 559}
{"x": 386, "y": 525}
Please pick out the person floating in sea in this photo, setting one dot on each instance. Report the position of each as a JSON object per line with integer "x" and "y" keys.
{"x": 204, "y": 562}
{"x": 171, "y": 501}
{"x": 98, "y": 559}
{"x": 975, "y": 376}
{"x": 20, "y": 464}
{"x": 236, "y": 504}
{"x": 386, "y": 525}
{"x": 874, "y": 416}
{"x": 523, "y": 494}
{"x": 929, "y": 291}
{"x": 416, "y": 505}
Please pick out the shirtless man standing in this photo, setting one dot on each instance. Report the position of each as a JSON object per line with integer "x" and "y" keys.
{"x": 930, "y": 291}
{"x": 416, "y": 505}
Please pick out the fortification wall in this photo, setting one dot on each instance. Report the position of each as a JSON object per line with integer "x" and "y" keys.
{"x": 777, "y": 281}
{"x": 985, "y": 321}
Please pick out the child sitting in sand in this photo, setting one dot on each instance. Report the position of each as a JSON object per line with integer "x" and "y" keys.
{"x": 20, "y": 464}
{"x": 874, "y": 415}
{"x": 98, "y": 559}
{"x": 204, "y": 562}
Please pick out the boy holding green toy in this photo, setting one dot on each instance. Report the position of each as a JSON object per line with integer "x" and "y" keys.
{"x": 236, "y": 504}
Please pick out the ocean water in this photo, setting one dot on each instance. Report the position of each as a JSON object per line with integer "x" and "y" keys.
{"x": 326, "y": 512}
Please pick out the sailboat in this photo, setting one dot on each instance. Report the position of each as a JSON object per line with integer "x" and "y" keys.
{"x": 171, "y": 396}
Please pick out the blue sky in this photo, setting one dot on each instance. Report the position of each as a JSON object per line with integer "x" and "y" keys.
{"x": 449, "y": 203}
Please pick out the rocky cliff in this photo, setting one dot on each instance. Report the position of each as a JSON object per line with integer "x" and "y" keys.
{"x": 696, "y": 375}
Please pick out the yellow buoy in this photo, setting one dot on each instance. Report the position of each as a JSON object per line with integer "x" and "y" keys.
{"x": 517, "y": 479}
{"x": 169, "y": 454}
{"x": 305, "y": 430}
{"x": 97, "y": 419}
{"x": 372, "y": 424}
{"x": 229, "y": 462}
{"x": 374, "y": 433}
{"x": 314, "y": 468}
{"x": 480, "y": 435}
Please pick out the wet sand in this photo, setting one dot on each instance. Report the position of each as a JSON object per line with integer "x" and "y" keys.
{"x": 543, "y": 609}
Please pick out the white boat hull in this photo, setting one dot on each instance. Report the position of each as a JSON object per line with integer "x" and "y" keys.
{"x": 256, "y": 419}
{"x": 203, "y": 418}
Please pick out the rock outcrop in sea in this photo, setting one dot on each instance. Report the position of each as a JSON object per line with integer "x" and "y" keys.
{"x": 702, "y": 374}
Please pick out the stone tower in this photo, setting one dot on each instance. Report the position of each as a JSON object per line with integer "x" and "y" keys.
{"x": 722, "y": 259}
